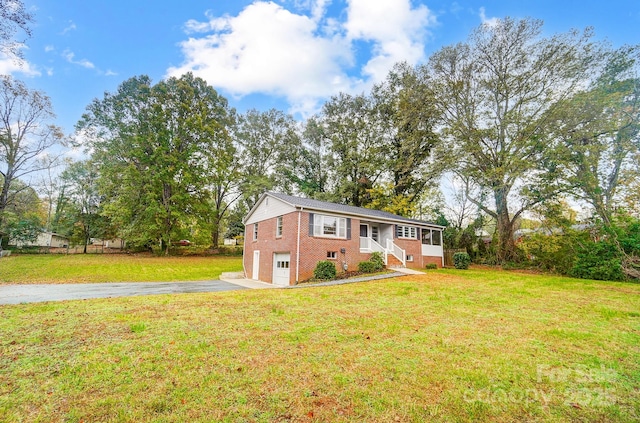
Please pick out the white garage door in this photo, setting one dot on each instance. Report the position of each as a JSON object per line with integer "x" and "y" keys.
{"x": 281, "y": 265}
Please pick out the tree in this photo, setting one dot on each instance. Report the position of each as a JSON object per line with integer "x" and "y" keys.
{"x": 597, "y": 141}
{"x": 268, "y": 144}
{"x": 13, "y": 16}
{"x": 495, "y": 92}
{"x": 310, "y": 170}
{"x": 406, "y": 114}
{"x": 81, "y": 182}
{"x": 596, "y": 133}
{"x": 23, "y": 215}
{"x": 157, "y": 148}
{"x": 25, "y": 137}
{"x": 356, "y": 148}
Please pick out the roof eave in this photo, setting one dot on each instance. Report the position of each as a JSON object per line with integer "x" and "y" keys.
{"x": 369, "y": 217}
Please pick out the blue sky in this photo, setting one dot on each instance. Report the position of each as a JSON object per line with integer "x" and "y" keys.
{"x": 287, "y": 54}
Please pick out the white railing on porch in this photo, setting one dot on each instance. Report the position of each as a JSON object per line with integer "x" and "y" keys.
{"x": 370, "y": 245}
{"x": 397, "y": 251}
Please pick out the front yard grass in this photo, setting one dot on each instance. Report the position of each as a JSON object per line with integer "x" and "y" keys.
{"x": 83, "y": 268}
{"x": 477, "y": 345}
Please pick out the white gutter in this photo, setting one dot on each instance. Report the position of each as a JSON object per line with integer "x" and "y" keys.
{"x": 375, "y": 219}
{"x": 298, "y": 249}
{"x": 244, "y": 251}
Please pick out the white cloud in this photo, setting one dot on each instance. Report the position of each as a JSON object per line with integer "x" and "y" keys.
{"x": 109, "y": 72}
{"x": 268, "y": 49}
{"x": 69, "y": 28}
{"x": 305, "y": 56}
{"x": 192, "y": 26}
{"x": 491, "y": 22}
{"x": 396, "y": 29}
{"x": 10, "y": 65}
{"x": 70, "y": 57}
{"x": 49, "y": 48}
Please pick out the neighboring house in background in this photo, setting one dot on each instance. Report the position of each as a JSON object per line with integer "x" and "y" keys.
{"x": 286, "y": 236}
{"x": 115, "y": 243}
{"x": 45, "y": 239}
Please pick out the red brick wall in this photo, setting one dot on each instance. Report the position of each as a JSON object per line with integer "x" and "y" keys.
{"x": 411, "y": 247}
{"x": 314, "y": 249}
{"x": 268, "y": 244}
{"x": 430, "y": 259}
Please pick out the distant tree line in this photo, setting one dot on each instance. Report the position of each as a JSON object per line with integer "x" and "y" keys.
{"x": 525, "y": 126}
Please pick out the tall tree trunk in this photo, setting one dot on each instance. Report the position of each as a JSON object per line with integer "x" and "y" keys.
{"x": 505, "y": 250}
{"x": 215, "y": 236}
{"x": 216, "y": 217}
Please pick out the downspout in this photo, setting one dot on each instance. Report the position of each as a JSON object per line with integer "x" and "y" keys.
{"x": 244, "y": 251}
{"x": 442, "y": 244}
{"x": 298, "y": 248}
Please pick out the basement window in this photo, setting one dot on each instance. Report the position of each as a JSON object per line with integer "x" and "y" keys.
{"x": 409, "y": 257}
{"x": 332, "y": 255}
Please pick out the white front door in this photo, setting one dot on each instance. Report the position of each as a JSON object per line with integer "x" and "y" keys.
{"x": 281, "y": 266}
{"x": 256, "y": 265}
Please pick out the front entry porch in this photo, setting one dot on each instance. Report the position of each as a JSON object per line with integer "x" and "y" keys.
{"x": 378, "y": 237}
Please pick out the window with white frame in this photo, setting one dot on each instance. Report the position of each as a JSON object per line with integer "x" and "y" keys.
{"x": 332, "y": 255}
{"x": 329, "y": 226}
{"x": 406, "y": 231}
{"x": 431, "y": 237}
{"x": 409, "y": 257}
{"x": 255, "y": 231}
{"x": 278, "y": 226}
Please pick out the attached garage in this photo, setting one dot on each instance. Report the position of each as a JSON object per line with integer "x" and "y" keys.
{"x": 281, "y": 269}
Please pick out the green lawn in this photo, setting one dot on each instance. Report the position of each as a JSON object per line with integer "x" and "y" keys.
{"x": 475, "y": 345}
{"x": 78, "y": 268}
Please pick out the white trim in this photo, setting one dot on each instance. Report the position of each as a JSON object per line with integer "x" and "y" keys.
{"x": 255, "y": 275}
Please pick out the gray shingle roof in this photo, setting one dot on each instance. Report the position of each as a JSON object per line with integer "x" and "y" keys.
{"x": 341, "y": 208}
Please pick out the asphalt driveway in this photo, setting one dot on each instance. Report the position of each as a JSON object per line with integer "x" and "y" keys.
{"x": 17, "y": 294}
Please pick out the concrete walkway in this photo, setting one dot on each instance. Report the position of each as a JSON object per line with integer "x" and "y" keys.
{"x": 238, "y": 279}
{"x": 346, "y": 281}
{"x": 18, "y": 294}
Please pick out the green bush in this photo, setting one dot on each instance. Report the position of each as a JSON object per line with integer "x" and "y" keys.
{"x": 598, "y": 260}
{"x": 367, "y": 267}
{"x": 554, "y": 252}
{"x": 378, "y": 260}
{"x": 461, "y": 260}
{"x": 325, "y": 270}
{"x": 431, "y": 266}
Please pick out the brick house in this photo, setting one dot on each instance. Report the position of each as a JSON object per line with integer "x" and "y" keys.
{"x": 286, "y": 236}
